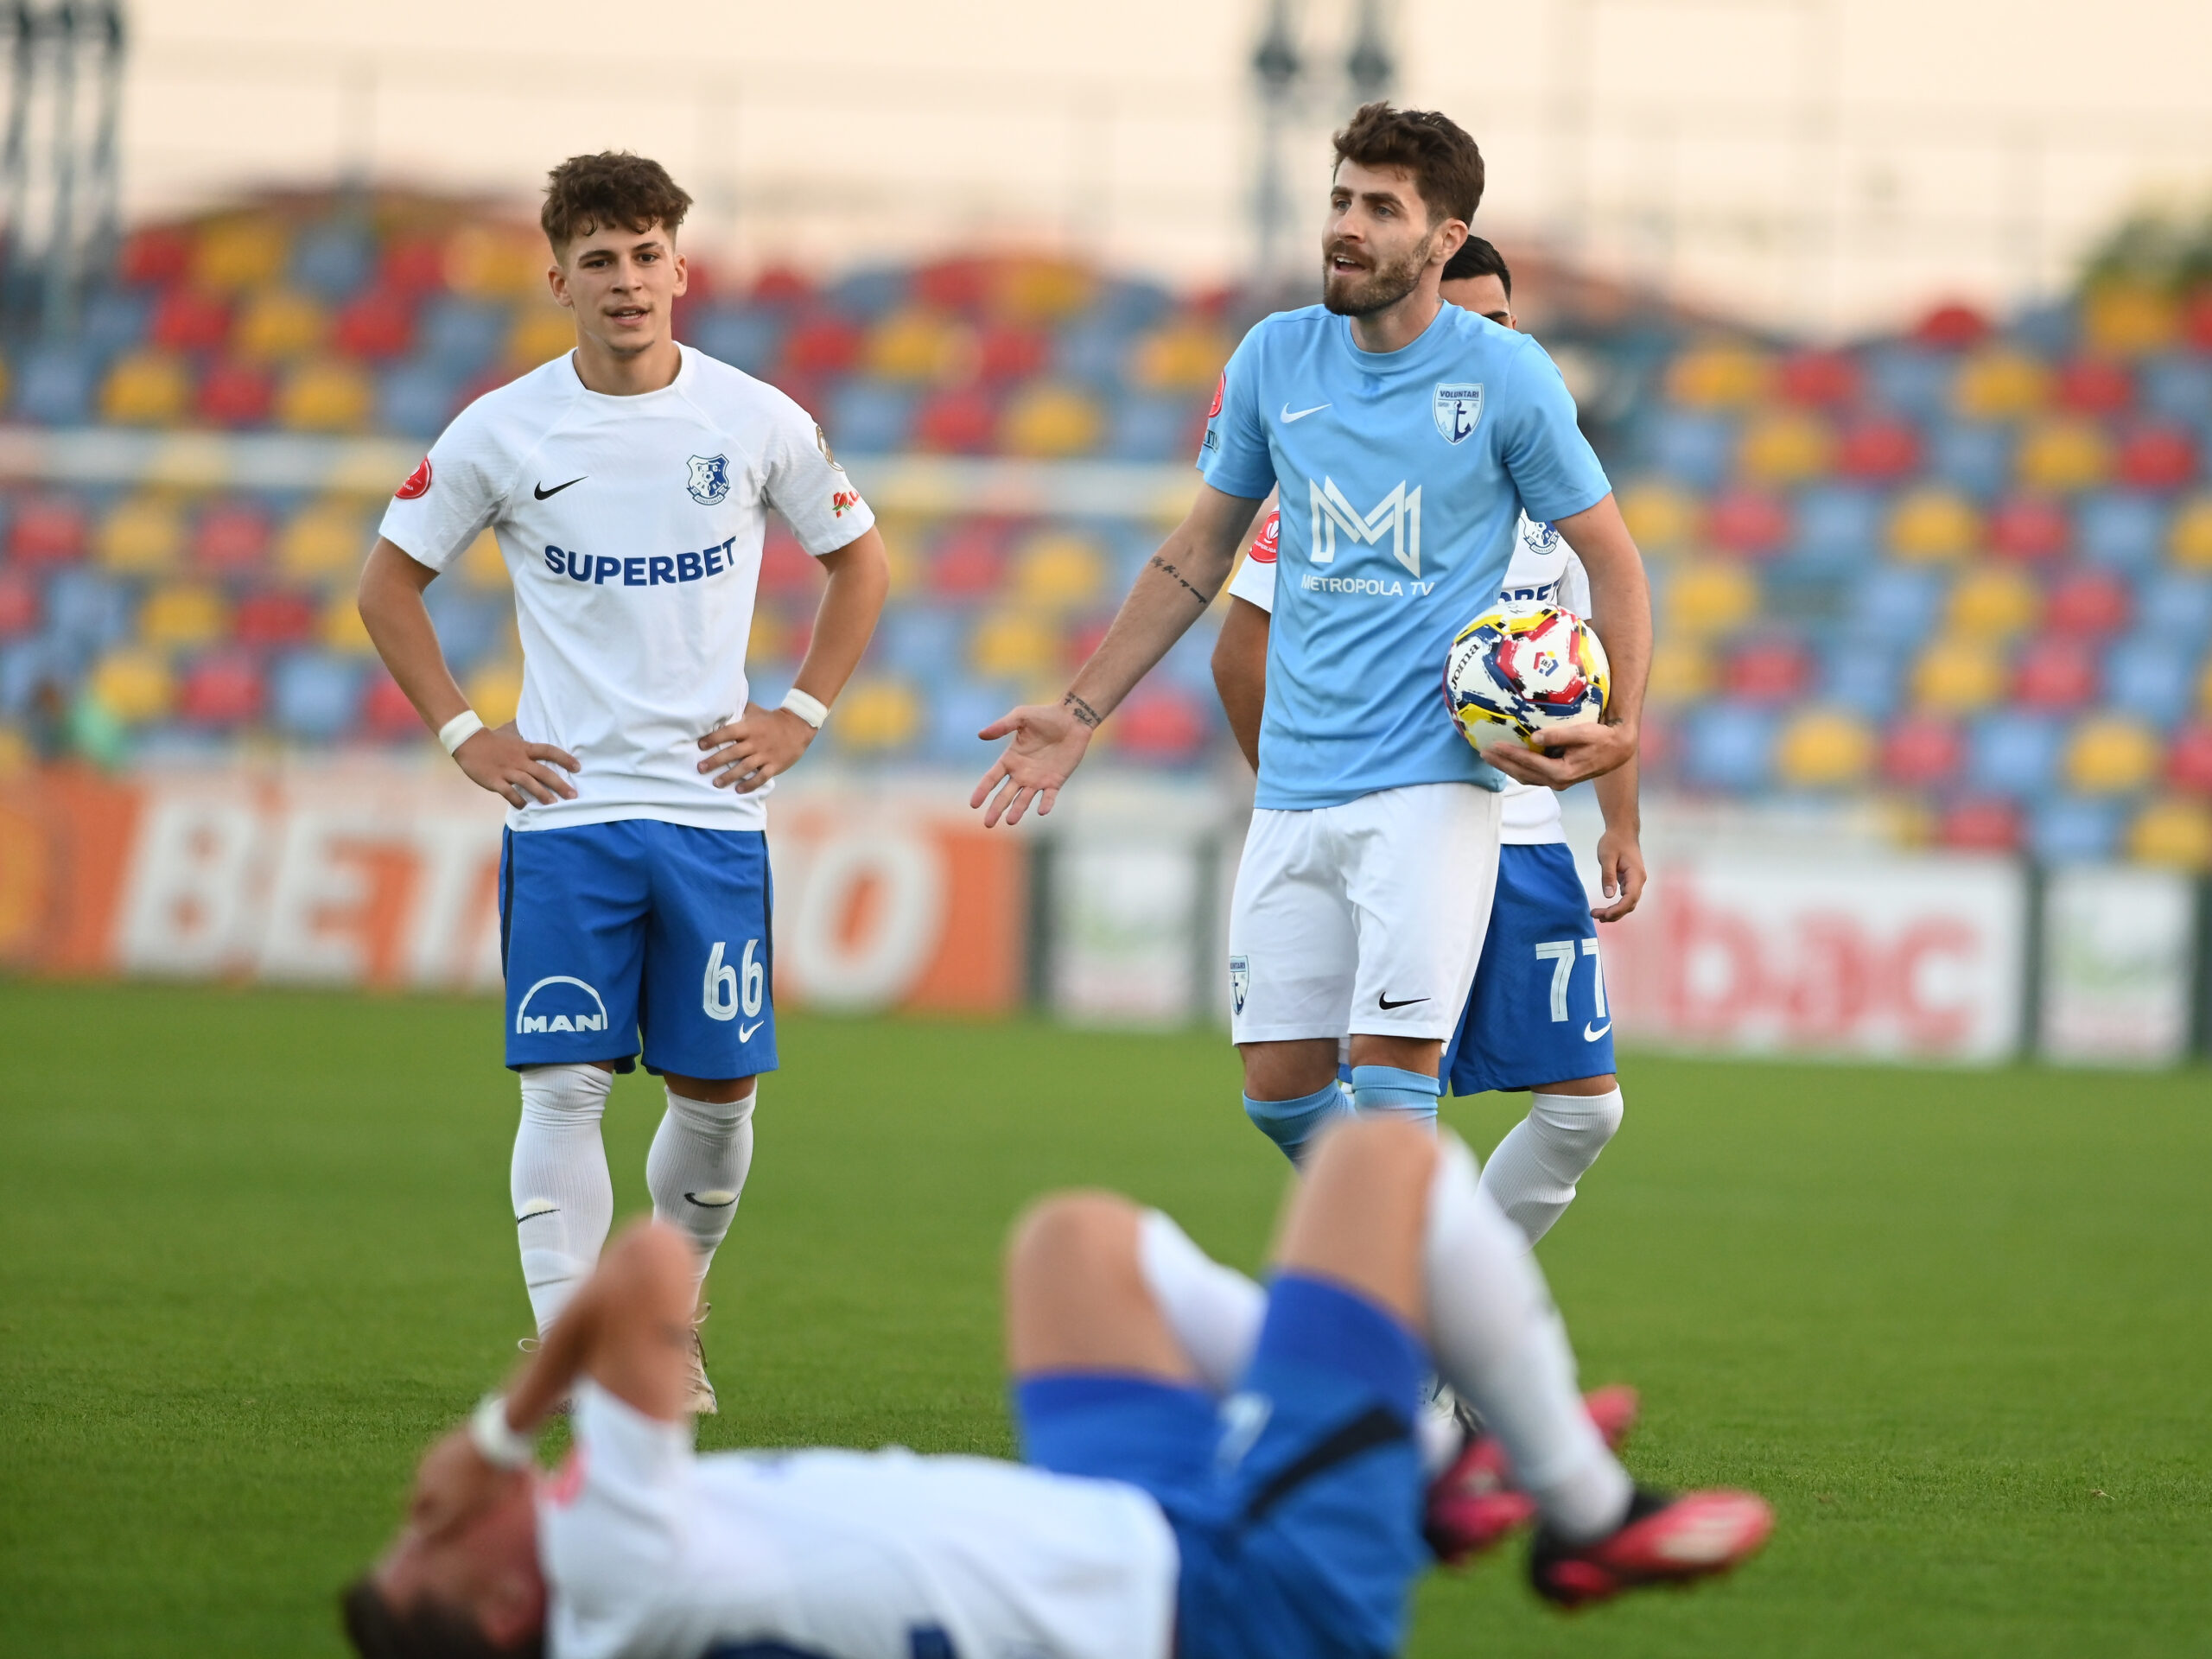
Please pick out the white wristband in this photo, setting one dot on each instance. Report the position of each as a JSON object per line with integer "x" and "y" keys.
{"x": 499, "y": 1444}
{"x": 458, "y": 730}
{"x": 812, "y": 710}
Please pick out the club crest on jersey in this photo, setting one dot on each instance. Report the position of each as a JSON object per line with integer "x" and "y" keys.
{"x": 1457, "y": 409}
{"x": 1541, "y": 536}
{"x": 710, "y": 480}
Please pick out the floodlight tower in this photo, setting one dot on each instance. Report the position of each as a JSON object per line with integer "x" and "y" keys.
{"x": 58, "y": 164}
{"x": 1370, "y": 67}
{"x": 1277, "y": 71}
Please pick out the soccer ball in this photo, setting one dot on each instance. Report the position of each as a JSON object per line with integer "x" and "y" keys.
{"x": 1521, "y": 669}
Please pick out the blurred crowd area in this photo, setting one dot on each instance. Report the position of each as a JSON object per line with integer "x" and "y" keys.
{"x": 1963, "y": 572}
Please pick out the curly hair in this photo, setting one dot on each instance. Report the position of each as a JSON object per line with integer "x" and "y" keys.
{"x": 1447, "y": 167}
{"x": 593, "y": 193}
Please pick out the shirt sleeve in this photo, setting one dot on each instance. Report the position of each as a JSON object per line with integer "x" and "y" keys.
{"x": 611, "y": 1520}
{"x": 1551, "y": 464}
{"x": 1234, "y": 457}
{"x": 805, "y": 484}
{"x": 448, "y": 501}
{"x": 1255, "y": 580}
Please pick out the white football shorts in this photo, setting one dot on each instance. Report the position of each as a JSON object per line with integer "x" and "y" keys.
{"x": 1364, "y": 917}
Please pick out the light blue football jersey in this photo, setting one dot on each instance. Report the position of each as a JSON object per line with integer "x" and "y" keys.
{"x": 1402, "y": 475}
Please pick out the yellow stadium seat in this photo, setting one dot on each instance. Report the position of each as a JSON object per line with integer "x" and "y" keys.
{"x": 133, "y": 686}
{"x": 327, "y": 542}
{"x": 878, "y": 714}
{"x": 1033, "y": 289}
{"x": 1721, "y": 375}
{"x": 1994, "y": 602}
{"x": 1012, "y": 645}
{"x": 540, "y": 333}
{"x": 2001, "y": 383}
{"x": 494, "y": 691}
{"x": 486, "y": 262}
{"x": 1682, "y": 673}
{"x": 1824, "y": 748}
{"x": 340, "y": 628}
{"x": 326, "y": 395}
{"x": 1786, "y": 448}
{"x": 2175, "y": 832}
{"x": 764, "y": 644}
{"x": 902, "y": 534}
{"x": 146, "y": 389}
{"x": 1934, "y": 526}
{"x": 145, "y": 536}
{"x": 1183, "y": 356}
{"x": 2108, "y": 754}
{"x": 1958, "y": 676}
{"x": 277, "y": 326}
{"x": 2190, "y": 540}
{"x": 1058, "y": 572}
{"x": 2065, "y": 456}
{"x": 2127, "y": 318}
{"x": 183, "y": 615}
{"x": 1705, "y": 600}
{"x": 243, "y": 252}
{"x": 484, "y": 567}
{"x": 1049, "y": 420}
{"x": 1662, "y": 518}
{"x": 915, "y": 346}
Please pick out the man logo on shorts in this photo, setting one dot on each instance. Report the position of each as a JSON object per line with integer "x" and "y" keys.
{"x": 561, "y": 1008}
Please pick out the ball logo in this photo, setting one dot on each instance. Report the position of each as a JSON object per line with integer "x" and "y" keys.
{"x": 560, "y": 1009}
{"x": 1268, "y": 542}
{"x": 417, "y": 485}
{"x": 1220, "y": 390}
{"x": 709, "y": 479}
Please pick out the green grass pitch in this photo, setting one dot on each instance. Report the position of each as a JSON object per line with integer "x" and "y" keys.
{"x": 254, "y": 1249}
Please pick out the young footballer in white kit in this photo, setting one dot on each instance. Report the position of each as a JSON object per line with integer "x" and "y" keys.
{"x": 1211, "y": 1471}
{"x": 629, "y": 483}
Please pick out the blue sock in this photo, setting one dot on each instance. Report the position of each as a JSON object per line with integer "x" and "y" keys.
{"x": 1392, "y": 1089}
{"x": 1291, "y": 1123}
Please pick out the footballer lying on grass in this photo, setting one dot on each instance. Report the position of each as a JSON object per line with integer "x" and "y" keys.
{"x": 1211, "y": 1471}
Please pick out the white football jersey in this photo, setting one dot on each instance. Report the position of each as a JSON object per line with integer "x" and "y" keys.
{"x": 632, "y": 527}
{"x": 1544, "y": 569}
{"x": 651, "y": 1552}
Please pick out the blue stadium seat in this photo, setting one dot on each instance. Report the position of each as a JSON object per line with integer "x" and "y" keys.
{"x": 2071, "y": 831}
{"x": 1910, "y": 381}
{"x": 86, "y": 610}
{"x": 744, "y": 337}
{"x": 864, "y": 295}
{"x": 417, "y": 398}
{"x": 1699, "y": 450}
{"x": 871, "y": 417}
{"x": 1092, "y": 350}
{"x": 2178, "y": 387}
{"x": 1896, "y": 606}
{"x": 1131, "y": 306}
{"x": 1152, "y": 428}
{"x": 470, "y": 625}
{"x": 1974, "y": 456}
{"x": 2121, "y": 530}
{"x": 25, "y": 664}
{"x": 1865, "y": 676}
{"x": 2177, "y": 606}
{"x": 917, "y": 639}
{"x": 2049, "y": 329}
{"x": 314, "y": 697}
{"x": 115, "y": 320}
{"x": 1839, "y": 527}
{"x": 462, "y": 335}
{"x": 958, "y": 710}
{"x": 332, "y": 259}
{"x": 2155, "y": 682}
{"x": 2013, "y": 752}
{"x": 1726, "y": 748}
{"x": 54, "y": 384}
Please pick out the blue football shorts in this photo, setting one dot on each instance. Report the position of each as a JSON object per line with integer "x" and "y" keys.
{"x": 1537, "y": 1012}
{"x": 612, "y": 933}
{"x": 1295, "y": 1503}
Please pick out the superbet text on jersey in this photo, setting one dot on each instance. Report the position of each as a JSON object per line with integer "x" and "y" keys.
{"x": 632, "y": 527}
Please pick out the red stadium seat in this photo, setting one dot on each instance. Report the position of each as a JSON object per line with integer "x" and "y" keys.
{"x": 236, "y": 394}
{"x": 2189, "y": 761}
{"x": 1083, "y": 643}
{"x": 386, "y": 712}
{"x": 786, "y": 570}
{"x": 1981, "y": 826}
{"x": 1952, "y": 327}
{"x": 1878, "y": 449}
{"x": 960, "y": 422}
{"x": 2055, "y": 673}
{"x": 2088, "y": 602}
{"x": 2030, "y": 528}
{"x": 1922, "y": 750}
{"x": 274, "y": 619}
{"x": 413, "y": 265}
{"x": 2197, "y": 320}
{"x": 1819, "y": 379}
{"x": 19, "y": 606}
{"x": 1749, "y": 522}
{"x": 1161, "y": 724}
{"x": 232, "y": 536}
{"x": 223, "y": 690}
{"x": 953, "y": 284}
{"x": 155, "y": 257}
{"x": 781, "y": 285}
{"x": 1010, "y": 353}
{"x": 1767, "y": 671}
{"x": 969, "y": 562}
{"x": 824, "y": 343}
{"x": 2157, "y": 458}
{"x": 47, "y": 530}
{"x": 187, "y": 320}
{"x": 2096, "y": 385}
{"x": 378, "y": 325}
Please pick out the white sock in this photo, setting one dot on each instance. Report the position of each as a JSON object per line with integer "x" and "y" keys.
{"x": 1494, "y": 1336}
{"x": 1533, "y": 1172}
{"x": 564, "y": 1202}
{"x": 696, "y": 1169}
{"x": 1215, "y": 1312}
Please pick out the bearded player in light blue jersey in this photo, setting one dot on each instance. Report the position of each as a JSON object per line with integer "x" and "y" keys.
{"x": 1406, "y": 438}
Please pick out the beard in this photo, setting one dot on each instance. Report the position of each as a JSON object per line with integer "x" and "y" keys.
{"x": 1362, "y": 294}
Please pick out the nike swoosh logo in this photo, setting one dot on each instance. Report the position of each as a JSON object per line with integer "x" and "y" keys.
{"x": 1589, "y": 1036}
{"x": 1386, "y": 1004}
{"x": 711, "y": 1200}
{"x": 1288, "y": 415}
{"x": 542, "y": 493}
{"x": 744, "y": 1033}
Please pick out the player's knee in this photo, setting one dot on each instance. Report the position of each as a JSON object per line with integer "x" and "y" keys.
{"x": 565, "y": 1092}
{"x": 1588, "y": 1120}
{"x": 1069, "y": 1236}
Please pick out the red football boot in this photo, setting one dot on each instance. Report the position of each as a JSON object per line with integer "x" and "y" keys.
{"x": 1663, "y": 1541}
{"x": 1474, "y": 1503}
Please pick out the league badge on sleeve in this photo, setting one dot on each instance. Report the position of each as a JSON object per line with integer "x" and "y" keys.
{"x": 1457, "y": 411}
{"x": 710, "y": 482}
{"x": 1240, "y": 980}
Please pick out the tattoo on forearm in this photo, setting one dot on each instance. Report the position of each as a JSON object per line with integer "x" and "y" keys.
{"x": 1203, "y": 597}
{"x": 1081, "y": 710}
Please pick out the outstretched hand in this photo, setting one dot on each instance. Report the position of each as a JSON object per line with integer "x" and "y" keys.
{"x": 1048, "y": 745}
{"x": 1576, "y": 752}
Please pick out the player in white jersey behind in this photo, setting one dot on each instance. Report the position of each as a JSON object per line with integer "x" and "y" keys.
{"x": 1536, "y": 1017}
{"x": 628, "y": 483}
{"x": 1213, "y": 1472}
